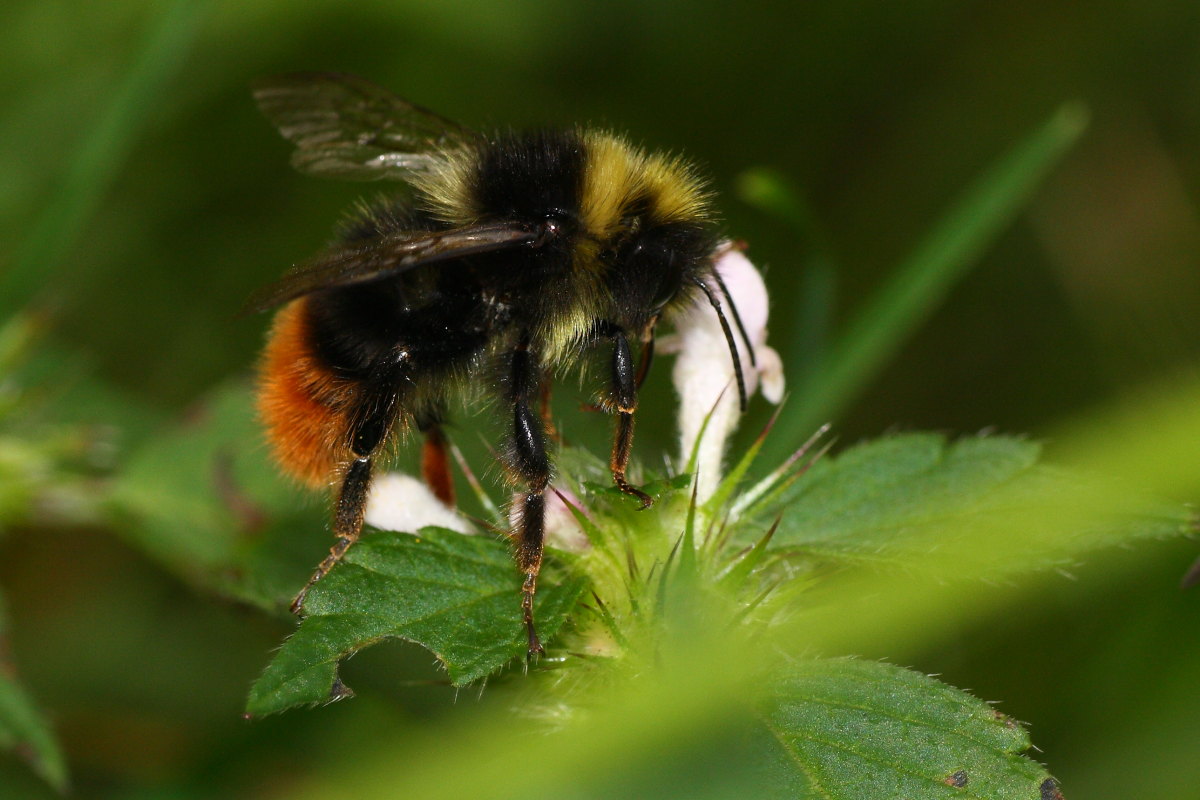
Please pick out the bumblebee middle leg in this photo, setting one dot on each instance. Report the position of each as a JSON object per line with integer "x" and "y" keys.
{"x": 530, "y": 464}
{"x": 373, "y": 416}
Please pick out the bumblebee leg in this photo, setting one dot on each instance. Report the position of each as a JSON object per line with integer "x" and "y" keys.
{"x": 644, "y": 362}
{"x": 435, "y": 462}
{"x": 373, "y": 419}
{"x": 531, "y": 465}
{"x": 624, "y": 396}
{"x": 547, "y": 417}
{"x": 643, "y": 371}
{"x": 347, "y": 522}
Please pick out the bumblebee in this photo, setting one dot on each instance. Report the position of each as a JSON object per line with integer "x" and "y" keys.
{"x": 510, "y": 257}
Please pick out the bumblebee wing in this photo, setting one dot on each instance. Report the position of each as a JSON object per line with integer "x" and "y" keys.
{"x": 391, "y": 255}
{"x": 347, "y": 127}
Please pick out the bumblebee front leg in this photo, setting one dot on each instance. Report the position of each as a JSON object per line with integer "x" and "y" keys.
{"x": 647, "y": 357}
{"x": 624, "y": 398}
{"x": 372, "y": 420}
{"x": 531, "y": 465}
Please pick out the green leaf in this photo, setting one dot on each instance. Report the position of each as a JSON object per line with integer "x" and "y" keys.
{"x": 203, "y": 499}
{"x": 907, "y": 499}
{"x": 22, "y": 729}
{"x": 921, "y": 280}
{"x": 657, "y": 489}
{"x": 846, "y": 730}
{"x": 453, "y": 594}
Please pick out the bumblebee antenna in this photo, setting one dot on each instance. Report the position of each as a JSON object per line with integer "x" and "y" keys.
{"x": 737, "y": 318}
{"x": 737, "y": 362}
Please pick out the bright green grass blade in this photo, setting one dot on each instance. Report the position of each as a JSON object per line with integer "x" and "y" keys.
{"x": 921, "y": 281}
{"x": 106, "y": 146}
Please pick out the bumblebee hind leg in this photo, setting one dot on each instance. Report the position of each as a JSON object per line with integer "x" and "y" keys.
{"x": 374, "y": 414}
{"x": 435, "y": 460}
{"x": 347, "y": 522}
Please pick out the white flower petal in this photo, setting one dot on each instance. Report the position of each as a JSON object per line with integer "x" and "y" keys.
{"x": 400, "y": 502}
{"x": 770, "y": 369}
{"x": 704, "y": 374}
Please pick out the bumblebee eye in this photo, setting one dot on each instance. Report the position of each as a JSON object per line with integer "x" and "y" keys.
{"x": 551, "y": 228}
{"x": 666, "y": 293}
{"x": 557, "y": 222}
{"x": 670, "y": 277}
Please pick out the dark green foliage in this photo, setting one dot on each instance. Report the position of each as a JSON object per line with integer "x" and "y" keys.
{"x": 23, "y": 729}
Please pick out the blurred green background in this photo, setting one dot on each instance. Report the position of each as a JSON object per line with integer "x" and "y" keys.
{"x": 142, "y": 198}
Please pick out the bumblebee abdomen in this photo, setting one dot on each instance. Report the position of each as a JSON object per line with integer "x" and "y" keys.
{"x": 303, "y": 405}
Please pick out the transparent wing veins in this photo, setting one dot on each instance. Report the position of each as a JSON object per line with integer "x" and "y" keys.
{"x": 348, "y": 127}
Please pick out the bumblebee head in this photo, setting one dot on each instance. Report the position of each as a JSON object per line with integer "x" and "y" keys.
{"x": 650, "y": 227}
{"x": 628, "y": 232}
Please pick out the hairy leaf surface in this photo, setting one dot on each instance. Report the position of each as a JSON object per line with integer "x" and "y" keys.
{"x": 917, "y": 500}
{"x": 845, "y": 729}
{"x": 455, "y": 595}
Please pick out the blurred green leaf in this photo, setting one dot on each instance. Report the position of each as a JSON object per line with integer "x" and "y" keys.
{"x": 100, "y": 155}
{"x": 770, "y": 191}
{"x": 50, "y": 466}
{"x": 453, "y": 594}
{"x": 202, "y": 498}
{"x": 23, "y": 730}
{"x": 847, "y": 730}
{"x": 812, "y": 311}
{"x": 898, "y": 500}
{"x": 920, "y": 282}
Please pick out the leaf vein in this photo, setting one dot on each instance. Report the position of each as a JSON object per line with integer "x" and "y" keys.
{"x": 874, "y": 759}
{"x": 908, "y": 720}
{"x": 807, "y": 769}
